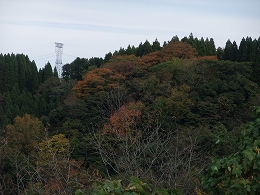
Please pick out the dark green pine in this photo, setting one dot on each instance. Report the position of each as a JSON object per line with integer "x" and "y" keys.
{"x": 55, "y": 73}
{"x": 210, "y": 47}
{"x": 234, "y": 53}
{"x": 242, "y": 54}
{"x": 128, "y": 50}
{"x": 201, "y": 48}
{"x": 21, "y": 71}
{"x": 10, "y": 76}
{"x": 2, "y": 73}
{"x": 108, "y": 56}
{"x": 156, "y": 45}
{"x": 228, "y": 50}
{"x": 33, "y": 84}
{"x": 47, "y": 71}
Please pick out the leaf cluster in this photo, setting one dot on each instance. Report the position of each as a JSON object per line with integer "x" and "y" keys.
{"x": 135, "y": 187}
{"x": 238, "y": 173}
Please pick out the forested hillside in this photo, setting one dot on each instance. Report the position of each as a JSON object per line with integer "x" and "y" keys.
{"x": 178, "y": 115}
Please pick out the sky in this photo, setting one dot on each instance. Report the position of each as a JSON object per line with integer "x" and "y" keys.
{"x": 92, "y": 28}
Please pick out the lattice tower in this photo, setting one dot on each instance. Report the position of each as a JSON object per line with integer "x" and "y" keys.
{"x": 59, "y": 52}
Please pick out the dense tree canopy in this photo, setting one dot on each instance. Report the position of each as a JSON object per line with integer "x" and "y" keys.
{"x": 100, "y": 79}
{"x": 239, "y": 172}
{"x": 169, "y": 114}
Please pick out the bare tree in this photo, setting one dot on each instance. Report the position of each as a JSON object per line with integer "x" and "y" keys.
{"x": 164, "y": 157}
{"x": 50, "y": 171}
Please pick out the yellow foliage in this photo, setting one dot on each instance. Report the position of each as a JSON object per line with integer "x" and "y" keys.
{"x": 25, "y": 133}
{"x": 56, "y": 145}
{"x": 179, "y": 103}
{"x": 199, "y": 192}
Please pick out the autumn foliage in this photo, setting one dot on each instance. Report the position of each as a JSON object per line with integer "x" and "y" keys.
{"x": 129, "y": 64}
{"x": 57, "y": 170}
{"x": 122, "y": 64}
{"x": 99, "y": 79}
{"x": 208, "y": 58}
{"x": 172, "y": 50}
{"x": 178, "y": 49}
{"x": 123, "y": 121}
{"x": 25, "y": 133}
{"x": 159, "y": 113}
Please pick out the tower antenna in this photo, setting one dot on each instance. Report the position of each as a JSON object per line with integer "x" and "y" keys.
{"x": 59, "y": 52}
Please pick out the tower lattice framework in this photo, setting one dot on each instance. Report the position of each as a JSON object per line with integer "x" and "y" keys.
{"x": 58, "y": 62}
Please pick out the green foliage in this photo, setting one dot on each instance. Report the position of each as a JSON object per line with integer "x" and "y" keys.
{"x": 168, "y": 192}
{"x": 46, "y": 72}
{"x": 210, "y": 99}
{"x": 135, "y": 187}
{"x": 75, "y": 69}
{"x": 238, "y": 173}
{"x": 204, "y": 47}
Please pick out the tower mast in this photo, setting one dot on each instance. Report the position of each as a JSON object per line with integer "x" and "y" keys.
{"x": 58, "y": 62}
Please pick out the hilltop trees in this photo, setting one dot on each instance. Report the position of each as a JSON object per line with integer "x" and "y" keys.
{"x": 17, "y": 69}
{"x": 203, "y": 47}
{"x": 74, "y": 69}
{"x": 19, "y": 82}
{"x": 230, "y": 51}
{"x": 247, "y": 51}
{"x": 100, "y": 79}
{"x": 79, "y": 66}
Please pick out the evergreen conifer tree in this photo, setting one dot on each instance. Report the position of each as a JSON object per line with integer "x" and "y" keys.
{"x": 248, "y": 48}
{"x": 147, "y": 48}
{"x": 55, "y": 73}
{"x": 201, "y": 48}
{"x": 21, "y": 71}
{"x": 234, "y": 53}
{"x": 220, "y": 53}
{"x": 228, "y": 50}
{"x": 33, "y": 83}
{"x": 47, "y": 72}
{"x": 128, "y": 51}
{"x": 40, "y": 76}
{"x": 210, "y": 47}
{"x": 2, "y": 73}
{"x": 11, "y": 72}
{"x": 175, "y": 39}
{"x": 108, "y": 56}
{"x": 42, "y": 107}
{"x": 156, "y": 45}
{"x": 242, "y": 51}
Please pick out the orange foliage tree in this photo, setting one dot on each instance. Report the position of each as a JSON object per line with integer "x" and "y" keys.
{"x": 122, "y": 122}
{"x": 214, "y": 58}
{"x": 122, "y": 64}
{"x": 99, "y": 79}
{"x": 173, "y": 50}
{"x": 178, "y": 49}
{"x": 151, "y": 58}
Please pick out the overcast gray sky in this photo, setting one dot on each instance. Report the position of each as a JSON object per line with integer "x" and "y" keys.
{"x": 92, "y": 28}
